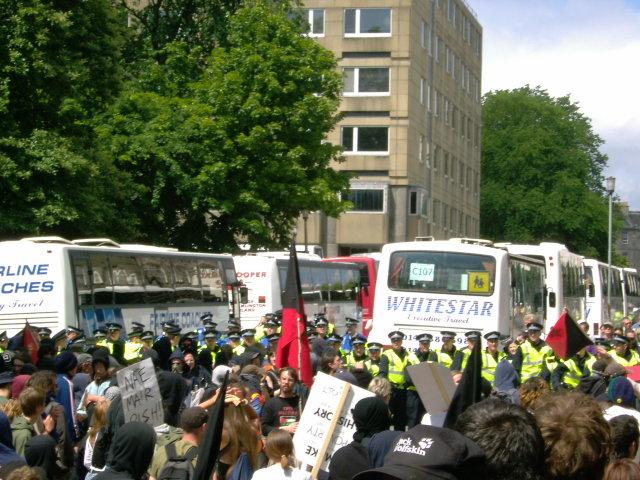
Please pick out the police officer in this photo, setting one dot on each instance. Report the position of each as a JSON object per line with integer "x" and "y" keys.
{"x": 534, "y": 353}
{"x": 100, "y": 336}
{"x": 208, "y": 354}
{"x": 358, "y": 353}
{"x": 350, "y": 335}
{"x": 393, "y": 366}
{"x": 491, "y": 356}
{"x": 569, "y": 372}
{"x": 233, "y": 340}
{"x": 447, "y": 351}
{"x": 147, "y": 340}
{"x": 270, "y": 327}
{"x": 622, "y": 354}
{"x": 321, "y": 324}
{"x": 44, "y": 333}
{"x": 424, "y": 352}
{"x": 133, "y": 347}
{"x": 72, "y": 333}
{"x": 114, "y": 344}
{"x": 334, "y": 340}
{"x": 373, "y": 362}
{"x": 462, "y": 356}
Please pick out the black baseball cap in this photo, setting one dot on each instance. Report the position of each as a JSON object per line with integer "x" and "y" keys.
{"x": 430, "y": 453}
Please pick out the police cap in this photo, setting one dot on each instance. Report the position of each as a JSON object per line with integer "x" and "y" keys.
{"x": 396, "y": 335}
{"x": 424, "y": 338}
{"x": 446, "y": 335}
{"x": 374, "y": 346}
{"x": 492, "y": 336}
{"x": 534, "y": 327}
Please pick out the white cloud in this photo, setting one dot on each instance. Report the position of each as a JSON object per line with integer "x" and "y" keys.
{"x": 586, "y": 48}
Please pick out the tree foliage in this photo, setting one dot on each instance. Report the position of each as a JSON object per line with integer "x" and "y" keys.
{"x": 236, "y": 149}
{"x": 59, "y": 66}
{"x": 542, "y": 172}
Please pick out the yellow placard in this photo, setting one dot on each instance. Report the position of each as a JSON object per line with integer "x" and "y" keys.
{"x": 479, "y": 282}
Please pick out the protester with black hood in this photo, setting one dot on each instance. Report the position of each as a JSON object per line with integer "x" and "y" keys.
{"x": 41, "y": 453}
{"x": 66, "y": 365}
{"x": 131, "y": 453}
{"x": 507, "y": 382}
{"x": 371, "y": 416}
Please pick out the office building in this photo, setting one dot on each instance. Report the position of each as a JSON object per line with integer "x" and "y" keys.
{"x": 411, "y": 127}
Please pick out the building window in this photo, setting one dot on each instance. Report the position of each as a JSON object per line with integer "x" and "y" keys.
{"x": 625, "y": 238}
{"x": 367, "y": 22}
{"x": 367, "y": 200}
{"x": 365, "y": 140}
{"x": 428, "y": 98}
{"x": 413, "y": 202}
{"x": 421, "y": 148}
{"x": 438, "y": 49}
{"x": 437, "y": 151}
{"x": 423, "y": 90}
{"x": 316, "y": 22}
{"x": 366, "y": 81}
{"x": 423, "y": 34}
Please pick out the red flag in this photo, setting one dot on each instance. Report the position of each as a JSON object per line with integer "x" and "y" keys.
{"x": 293, "y": 347}
{"x": 31, "y": 341}
{"x": 565, "y": 338}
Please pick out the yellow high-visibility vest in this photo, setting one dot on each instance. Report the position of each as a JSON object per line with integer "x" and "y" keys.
{"x": 398, "y": 366}
{"x": 533, "y": 359}
{"x": 489, "y": 365}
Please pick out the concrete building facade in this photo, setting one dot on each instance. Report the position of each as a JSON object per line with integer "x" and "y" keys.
{"x": 629, "y": 242}
{"x": 412, "y": 124}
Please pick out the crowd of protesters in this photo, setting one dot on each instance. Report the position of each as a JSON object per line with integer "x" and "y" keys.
{"x": 541, "y": 417}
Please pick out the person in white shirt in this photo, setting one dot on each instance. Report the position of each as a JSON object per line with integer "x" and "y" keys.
{"x": 279, "y": 449}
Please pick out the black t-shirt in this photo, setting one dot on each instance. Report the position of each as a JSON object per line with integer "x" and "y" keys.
{"x": 279, "y": 412}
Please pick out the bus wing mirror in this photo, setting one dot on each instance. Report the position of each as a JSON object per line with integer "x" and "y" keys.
{"x": 244, "y": 294}
{"x": 592, "y": 290}
{"x": 552, "y": 299}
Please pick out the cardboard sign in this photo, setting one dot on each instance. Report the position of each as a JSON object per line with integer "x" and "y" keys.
{"x": 317, "y": 416}
{"x": 434, "y": 384}
{"x": 141, "y": 400}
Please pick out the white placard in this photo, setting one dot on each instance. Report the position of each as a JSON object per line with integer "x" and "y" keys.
{"x": 421, "y": 272}
{"x": 316, "y": 417}
{"x": 141, "y": 400}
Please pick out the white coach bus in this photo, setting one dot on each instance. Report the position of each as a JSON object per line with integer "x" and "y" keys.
{"x": 332, "y": 288}
{"x": 456, "y": 285}
{"x": 596, "y": 274}
{"x": 630, "y": 290}
{"x": 52, "y": 282}
{"x": 564, "y": 278}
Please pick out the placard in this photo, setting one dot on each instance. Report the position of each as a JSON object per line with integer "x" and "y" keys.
{"x": 421, "y": 272}
{"x": 434, "y": 384}
{"x": 141, "y": 400}
{"x": 317, "y": 415}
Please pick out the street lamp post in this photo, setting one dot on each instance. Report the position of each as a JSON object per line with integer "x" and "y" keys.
{"x": 305, "y": 217}
{"x": 610, "y": 187}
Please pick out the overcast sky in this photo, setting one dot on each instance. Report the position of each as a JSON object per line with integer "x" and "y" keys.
{"x": 589, "y": 49}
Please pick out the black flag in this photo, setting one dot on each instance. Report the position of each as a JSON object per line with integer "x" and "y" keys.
{"x": 209, "y": 449}
{"x": 469, "y": 389}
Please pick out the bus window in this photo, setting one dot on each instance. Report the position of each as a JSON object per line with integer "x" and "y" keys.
{"x": 527, "y": 291}
{"x": 442, "y": 272}
{"x": 101, "y": 280}
{"x": 320, "y": 284}
{"x": 127, "y": 280}
{"x": 214, "y": 288}
{"x": 186, "y": 281}
{"x": 350, "y": 283}
{"x": 157, "y": 279}
{"x": 83, "y": 280}
{"x": 336, "y": 291}
{"x": 309, "y": 293}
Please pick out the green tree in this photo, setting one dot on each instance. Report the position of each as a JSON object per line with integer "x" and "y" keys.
{"x": 240, "y": 151}
{"x": 59, "y": 66}
{"x": 542, "y": 172}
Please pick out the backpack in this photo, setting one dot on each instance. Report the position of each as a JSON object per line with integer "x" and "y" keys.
{"x": 178, "y": 467}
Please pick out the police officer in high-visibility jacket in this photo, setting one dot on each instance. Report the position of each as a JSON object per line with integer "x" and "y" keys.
{"x": 100, "y": 337}
{"x": 534, "y": 353}
{"x": 373, "y": 362}
{"x": 447, "y": 351}
{"x": 424, "y": 352}
{"x": 358, "y": 353}
{"x": 147, "y": 340}
{"x": 133, "y": 347}
{"x": 569, "y": 372}
{"x": 491, "y": 356}
{"x": 622, "y": 354}
{"x": 462, "y": 355}
{"x": 208, "y": 355}
{"x": 393, "y": 366}
{"x": 114, "y": 344}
